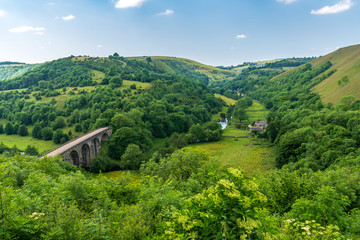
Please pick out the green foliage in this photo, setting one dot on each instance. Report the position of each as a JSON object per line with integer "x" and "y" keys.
{"x": 46, "y": 133}
{"x": 59, "y": 123}
{"x": 60, "y": 137}
{"x": 228, "y": 210}
{"x": 295, "y": 229}
{"x": 23, "y": 131}
{"x": 327, "y": 207}
{"x": 31, "y": 151}
{"x": 9, "y": 129}
{"x": 282, "y": 188}
{"x": 180, "y": 166}
{"x": 131, "y": 159}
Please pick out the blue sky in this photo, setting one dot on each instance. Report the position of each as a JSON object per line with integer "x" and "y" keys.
{"x": 215, "y": 32}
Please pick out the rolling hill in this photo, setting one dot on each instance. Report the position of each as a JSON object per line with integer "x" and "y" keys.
{"x": 346, "y": 79}
{"x": 9, "y": 70}
{"x": 179, "y": 65}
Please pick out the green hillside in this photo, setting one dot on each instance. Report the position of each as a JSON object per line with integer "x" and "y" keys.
{"x": 346, "y": 79}
{"x": 183, "y": 65}
{"x": 9, "y": 70}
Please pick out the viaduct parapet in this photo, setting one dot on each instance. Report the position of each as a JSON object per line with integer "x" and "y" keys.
{"x": 82, "y": 150}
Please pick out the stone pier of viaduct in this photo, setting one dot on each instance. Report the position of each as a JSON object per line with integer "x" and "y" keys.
{"x": 82, "y": 150}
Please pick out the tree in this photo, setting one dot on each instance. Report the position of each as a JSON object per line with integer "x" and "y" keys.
{"x": 120, "y": 140}
{"x": 116, "y": 81}
{"x": 59, "y": 123}
{"x": 1, "y": 129}
{"x": 180, "y": 166}
{"x": 9, "y": 129}
{"x": 47, "y": 133}
{"x": 31, "y": 150}
{"x": 148, "y": 60}
{"x": 240, "y": 114}
{"x": 36, "y": 132}
{"x": 23, "y": 131}
{"x": 121, "y": 120}
{"x": 16, "y": 128}
{"x": 131, "y": 159}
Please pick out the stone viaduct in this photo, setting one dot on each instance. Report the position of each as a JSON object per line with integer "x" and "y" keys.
{"x": 81, "y": 150}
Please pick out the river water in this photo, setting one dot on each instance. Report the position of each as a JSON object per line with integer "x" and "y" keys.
{"x": 224, "y": 124}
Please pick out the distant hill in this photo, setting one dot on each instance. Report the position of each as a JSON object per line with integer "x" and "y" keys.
{"x": 182, "y": 65}
{"x": 88, "y": 71}
{"x": 346, "y": 79}
{"x": 9, "y": 70}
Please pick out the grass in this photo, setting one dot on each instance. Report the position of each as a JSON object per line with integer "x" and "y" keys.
{"x": 23, "y": 142}
{"x": 257, "y": 112}
{"x": 242, "y": 153}
{"x": 98, "y": 76}
{"x": 228, "y": 101}
{"x": 347, "y": 63}
{"x": 253, "y": 159}
{"x": 214, "y": 73}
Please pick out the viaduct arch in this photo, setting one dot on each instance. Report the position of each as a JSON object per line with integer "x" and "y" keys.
{"x": 81, "y": 150}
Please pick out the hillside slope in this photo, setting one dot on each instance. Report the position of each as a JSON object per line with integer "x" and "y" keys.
{"x": 180, "y": 65}
{"x": 88, "y": 71}
{"x": 10, "y": 70}
{"x": 346, "y": 79}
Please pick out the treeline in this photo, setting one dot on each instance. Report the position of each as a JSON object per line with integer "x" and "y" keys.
{"x": 290, "y": 62}
{"x": 9, "y": 71}
{"x": 254, "y": 77}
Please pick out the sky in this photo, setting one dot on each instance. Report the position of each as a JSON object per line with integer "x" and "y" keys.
{"x": 214, "y": 32}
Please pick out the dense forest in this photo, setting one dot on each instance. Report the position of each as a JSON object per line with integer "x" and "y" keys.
{"x": 182, "y": 192}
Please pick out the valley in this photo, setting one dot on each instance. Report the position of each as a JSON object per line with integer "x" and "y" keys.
{"x": 168, "y": 165}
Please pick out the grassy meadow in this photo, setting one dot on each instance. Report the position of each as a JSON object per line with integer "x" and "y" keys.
{"x": 347, "y": 63}
{"x": 254, "y": 156}
{"x": 23, "y": 142}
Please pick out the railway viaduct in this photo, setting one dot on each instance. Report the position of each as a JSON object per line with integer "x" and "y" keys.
{"x": 81, "y": 150}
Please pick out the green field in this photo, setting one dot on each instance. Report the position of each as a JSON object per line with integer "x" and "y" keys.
{"x": 251, "y": 155}
{"x": 347, "y": 63}
{"x": 228, "y": 101}
{"x": 23, "y": 142}
{"x": 257, "y": 112}
{"x": 253, "y": 159}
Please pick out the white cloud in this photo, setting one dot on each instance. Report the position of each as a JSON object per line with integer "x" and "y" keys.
{"x": 167, "y": 12}
{"x": 341, "y": 6}
{"x": 241, "y": 36}
{"x": 99, "y": 46}
{"x": 23, "y": 29}
{"x": 2, "y": 13}
{"x": 51, "y": 4}
{"x": 68, "y": 18}
{"x": 286, "y": 1}
{"x": 129, "y": 3}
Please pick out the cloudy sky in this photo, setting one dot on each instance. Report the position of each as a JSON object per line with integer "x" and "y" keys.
{"x": 215, "y": 32}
